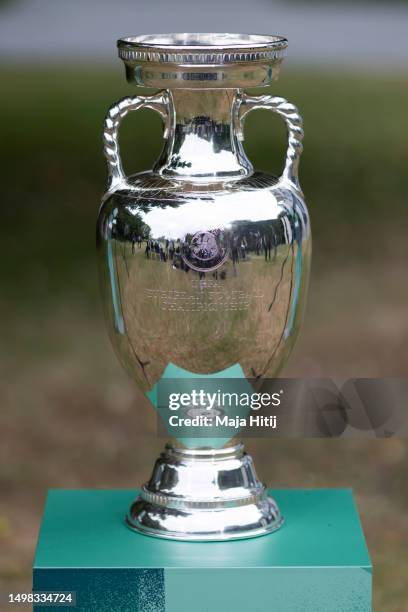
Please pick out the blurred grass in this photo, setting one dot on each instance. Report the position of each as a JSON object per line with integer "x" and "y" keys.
{"x": 68, "y": 413}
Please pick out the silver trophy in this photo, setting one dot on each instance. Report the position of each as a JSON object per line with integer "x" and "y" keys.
{"x": 204, "y": 262}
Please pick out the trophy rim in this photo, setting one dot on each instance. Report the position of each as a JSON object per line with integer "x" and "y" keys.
{"x": 202, "y": 48}
{"x": 203, "y": 60}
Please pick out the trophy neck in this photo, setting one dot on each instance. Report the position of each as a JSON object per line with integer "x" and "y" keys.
{"x": 202, "y": 142}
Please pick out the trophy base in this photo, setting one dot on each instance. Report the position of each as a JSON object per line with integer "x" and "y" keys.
{"x": 204, "y": 495}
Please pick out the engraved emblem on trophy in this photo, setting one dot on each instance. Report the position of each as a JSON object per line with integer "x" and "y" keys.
{"x": 205, "y": 251}
{"x": 217, "y": 287}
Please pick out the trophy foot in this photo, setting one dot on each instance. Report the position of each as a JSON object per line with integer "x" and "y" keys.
{"x": 204, "y": 495}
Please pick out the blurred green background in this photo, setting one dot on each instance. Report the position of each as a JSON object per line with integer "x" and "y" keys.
{"x": 71, "y": 418}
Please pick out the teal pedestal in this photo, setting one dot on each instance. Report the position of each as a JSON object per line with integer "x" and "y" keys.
{"x": 317, "y": 562}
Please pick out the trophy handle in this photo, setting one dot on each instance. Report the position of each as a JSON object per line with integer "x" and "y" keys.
{"x": 294, "y": 124}
{"x": 159, "y": 102}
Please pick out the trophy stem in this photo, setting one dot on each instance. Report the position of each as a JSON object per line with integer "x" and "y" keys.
{"x": 204, "y": 495}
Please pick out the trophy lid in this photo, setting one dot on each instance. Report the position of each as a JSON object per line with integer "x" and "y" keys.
{"x": 202, "y": 61}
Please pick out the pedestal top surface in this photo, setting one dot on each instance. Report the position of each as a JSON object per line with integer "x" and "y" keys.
{"x": 86, "y": 529}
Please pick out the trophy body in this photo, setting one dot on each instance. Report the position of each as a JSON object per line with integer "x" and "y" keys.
{"x": 204, "y": 262}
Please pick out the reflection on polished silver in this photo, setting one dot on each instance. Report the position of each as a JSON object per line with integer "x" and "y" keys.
{"x": 204, "y": 261}
{"x": 195, "y": 61}
{"x": 204, "y": 495}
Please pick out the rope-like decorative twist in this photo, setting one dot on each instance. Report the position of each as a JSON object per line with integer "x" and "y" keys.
{"x": 294, "y": 124}
{"x": 167, "y": 501}
{"x": 219, "y": 58}
{"x": 118, "y": 111}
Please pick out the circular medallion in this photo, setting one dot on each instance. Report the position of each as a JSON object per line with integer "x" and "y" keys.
{"x": 205, "y": 251}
